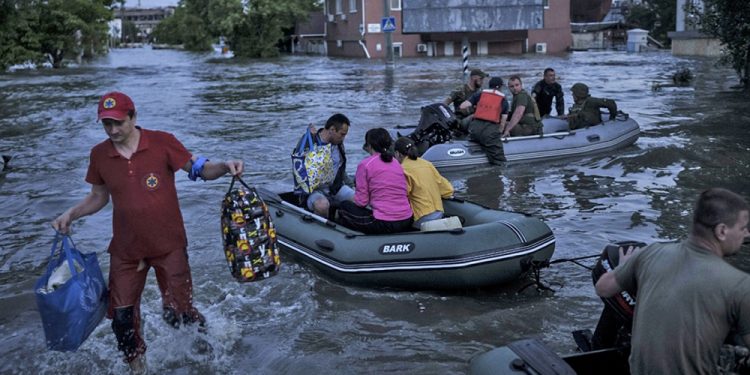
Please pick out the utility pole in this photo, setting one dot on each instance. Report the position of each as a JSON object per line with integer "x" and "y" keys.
{"x": 389, "y": 61}
{"x": 465, "y": 55}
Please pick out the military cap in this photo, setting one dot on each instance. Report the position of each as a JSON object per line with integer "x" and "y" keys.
{"x": 580, "y": 90}
{"x": 478, "y": 72}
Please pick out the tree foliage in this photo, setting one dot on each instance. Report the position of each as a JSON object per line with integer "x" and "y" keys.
{"x": 252, "y": 28}
{"x": 729, "y": 21}
{"x": 34, "y": 30}
{"x": 656, "y": 16}
{"x": 19, "y": 37}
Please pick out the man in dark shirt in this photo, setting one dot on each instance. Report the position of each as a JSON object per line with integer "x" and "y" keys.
{"x": 547, "y": 89}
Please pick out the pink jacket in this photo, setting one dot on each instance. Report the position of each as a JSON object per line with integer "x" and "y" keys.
{"x": 382, "y": 186}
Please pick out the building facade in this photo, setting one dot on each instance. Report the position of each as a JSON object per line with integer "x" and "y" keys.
{"x": 145, "y": 19}
{"x": 687, "y": 39}
{"x": 424, "y": 28}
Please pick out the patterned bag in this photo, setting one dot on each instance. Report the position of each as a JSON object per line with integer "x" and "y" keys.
{"x": 71, "y": 296}
{"x": 248, "y": 234}
{"x": 312, "y": 164}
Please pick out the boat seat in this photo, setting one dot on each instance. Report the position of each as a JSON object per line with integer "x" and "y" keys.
{"x": 446, "y": 223}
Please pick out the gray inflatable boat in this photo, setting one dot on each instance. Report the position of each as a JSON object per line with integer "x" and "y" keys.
{"x": 492, "y": 247}
{"x": 556, "y": 143}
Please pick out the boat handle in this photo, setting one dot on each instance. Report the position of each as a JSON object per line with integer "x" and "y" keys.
{"x": 457, "y": 231}
{"x": 325, "y": 244}
{"x": 593, "y": 138}
{"x": 279, "y": 213}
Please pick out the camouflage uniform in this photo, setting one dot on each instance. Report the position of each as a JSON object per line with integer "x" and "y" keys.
{"x": 585, "y": 112}
{"x": 530, "y": 123}
{"x": 458, "y": 96}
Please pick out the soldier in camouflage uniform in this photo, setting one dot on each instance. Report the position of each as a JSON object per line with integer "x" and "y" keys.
{"x": 463, "y": 93}
{"x": 586, "y": 110}
{"x": 525, "y": 118}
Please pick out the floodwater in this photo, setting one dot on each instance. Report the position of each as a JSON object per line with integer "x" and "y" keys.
{"x": 299, "y": 321}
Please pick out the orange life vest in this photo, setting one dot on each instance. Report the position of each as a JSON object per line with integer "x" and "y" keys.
{"x": 490, "y": 106}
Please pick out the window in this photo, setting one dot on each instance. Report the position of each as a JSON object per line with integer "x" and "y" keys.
{"x": 395, "y": 4}
{"x": 546, "y": 4}
{"x": 338, "y": 6}
{"x": 352, "y": 6}
{"x": 398, "y": 49}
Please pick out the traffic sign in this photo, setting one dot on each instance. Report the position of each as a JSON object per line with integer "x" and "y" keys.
{"x": 388, "y": 24}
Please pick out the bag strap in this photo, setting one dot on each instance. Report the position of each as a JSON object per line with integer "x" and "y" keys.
{"x": 237, "y": 178}
{"x": 55, "y": 241}
{"x": 68, "y": 246}
{"x": 306, "y": 142}
{"x": 66, "y": 243}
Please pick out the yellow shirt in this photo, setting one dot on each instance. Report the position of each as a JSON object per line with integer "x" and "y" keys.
{"x": 425, "y": 187}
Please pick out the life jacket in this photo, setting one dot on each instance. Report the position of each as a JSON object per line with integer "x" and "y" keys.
{"x": 490, "y": 106}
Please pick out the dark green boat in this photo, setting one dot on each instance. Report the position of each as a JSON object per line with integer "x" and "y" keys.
{"x": 492, "y": 247}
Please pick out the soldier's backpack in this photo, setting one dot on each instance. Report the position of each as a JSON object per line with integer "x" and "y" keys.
{"x": 248, "y": 234}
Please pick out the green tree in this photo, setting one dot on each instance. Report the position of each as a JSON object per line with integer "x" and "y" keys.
{"x": 19, "y": 39}
{"x": 55, "y": 29}
{"x": 252, "y": 28}
{"x": 186, "y": 27}
{"x": 129, "y": 32}
{"x": 656, "y": 16}
{"x": 262, "y": 27}
{"x": 729, "y": 21}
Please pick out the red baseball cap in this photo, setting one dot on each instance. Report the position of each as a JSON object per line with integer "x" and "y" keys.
{"x": 115, "y": 105}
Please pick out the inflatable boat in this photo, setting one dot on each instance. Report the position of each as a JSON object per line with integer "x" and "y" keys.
{"x": 605, "y": 351}
{"x": 491, "y": 247}
{"x": 531, "y": 356}
{"x": 439, "y": 144}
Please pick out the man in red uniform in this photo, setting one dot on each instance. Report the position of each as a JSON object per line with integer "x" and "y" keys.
{"x": 137, "y": 167}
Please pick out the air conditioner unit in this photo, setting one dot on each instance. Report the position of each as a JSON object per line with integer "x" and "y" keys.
{"x": 343, "y": 16}
{"x": 330, "y": 18}
{"x": 421, "y": 47}
{"x": 541, "y": 48}
{"x": 339, "y": 43}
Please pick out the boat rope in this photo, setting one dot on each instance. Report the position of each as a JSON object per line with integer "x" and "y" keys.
{"x": 576, "y": 260}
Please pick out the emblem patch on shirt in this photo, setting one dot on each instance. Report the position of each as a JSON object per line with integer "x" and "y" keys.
{"x": 109, "y": 103}
{"x": 151, "y": 181}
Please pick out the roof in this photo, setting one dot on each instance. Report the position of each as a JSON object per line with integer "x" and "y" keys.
{"x": 584, "y": 27}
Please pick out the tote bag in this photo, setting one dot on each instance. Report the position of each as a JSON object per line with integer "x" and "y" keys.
{"x": 73, "y": 307}
{"x": 312, "y": 164}
{"x": 248, "y": 234}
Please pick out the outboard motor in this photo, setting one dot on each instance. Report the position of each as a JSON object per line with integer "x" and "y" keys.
{"x": 435, "y": 124}
{"x": 616, "y": 321}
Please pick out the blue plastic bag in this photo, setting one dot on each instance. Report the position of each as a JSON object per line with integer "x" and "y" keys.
{"x": 72, "y": 310}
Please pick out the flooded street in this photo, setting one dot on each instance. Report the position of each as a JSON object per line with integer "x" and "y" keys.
{"x": 299, "y": 321}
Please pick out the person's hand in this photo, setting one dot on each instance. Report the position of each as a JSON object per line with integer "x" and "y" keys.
{"x": 625, "y": 254}
{"x": 62, "y": 223}
{"x": 236, "y": 167}
{"x": 506, "y": 133}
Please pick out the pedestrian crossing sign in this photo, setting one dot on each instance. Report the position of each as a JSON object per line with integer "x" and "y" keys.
{"x": 388, "y": 24}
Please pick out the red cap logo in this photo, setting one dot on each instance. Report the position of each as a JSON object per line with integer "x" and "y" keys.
{"x": 115, "y": 105}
